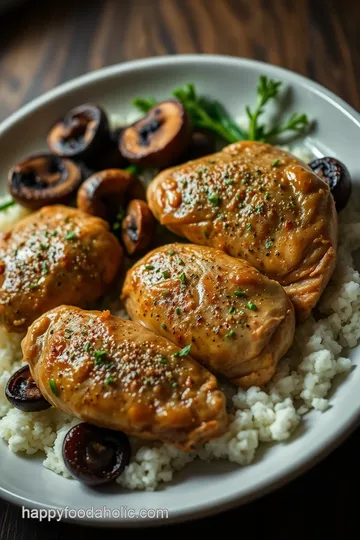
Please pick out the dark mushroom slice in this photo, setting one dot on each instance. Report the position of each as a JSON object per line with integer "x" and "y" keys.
{"x": 337, "y": 176}
{"x": 138, "y": 227}
{"x": 159, "y": 138}
{"x": 23, "y": 394}
{"x": 105, "y": 192}
{"x": 94, "y": 455}
{"x": 44, "y": 179}
{"x": 82, "y": 134}
{"x": 202, "y": 143}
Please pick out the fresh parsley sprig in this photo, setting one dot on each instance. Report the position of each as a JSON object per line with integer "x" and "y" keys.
{"x": 211, "y": 115}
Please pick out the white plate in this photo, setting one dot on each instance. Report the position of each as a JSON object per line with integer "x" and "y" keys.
{"x": 202, "y": 488}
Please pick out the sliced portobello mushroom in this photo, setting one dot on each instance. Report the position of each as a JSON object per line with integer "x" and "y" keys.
{"x": 44, "y": 179}
{"x": 159, "y": 138}
{"x": 95, "y": 456}
{"x": 337, "y": 176}
{"x": 84, "y": 134}
{"x": 23, "y": 394}
{"x": 105, "y": 192}
{"x": 138, "y": 227}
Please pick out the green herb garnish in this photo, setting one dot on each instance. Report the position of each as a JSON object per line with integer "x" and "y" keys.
{"x": 87, "y": 346}
{"x": 171, "y": 252}
{"x": 231, "y": 309}
{"x": 99, "y": 357}
{"x": 109, "y": 379}
{"x": 214, "y": 199}
{"x": 182, "y": 278}
{"x": 53, "y": 387}
{"x": 230, "y": 334}
{"x": 177, "y": 311}
{"x": 165, "y": 274}
{"x": 239, "y": 293}
{"x": 6, "y": 205}
{"x": 275, "y": 163}
{"x": 163, "y": 326}
{"x": 165, "y": 293}
{"x": 183, "y": 352}
{"x": 248, "y": 227}
{"x": 268, "y": 244}
{"x": 149, "y": 267}
{"x": 252, "y": 306}
{"x": 70, "y": 235}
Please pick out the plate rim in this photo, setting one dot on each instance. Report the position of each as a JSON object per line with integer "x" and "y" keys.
{"x": 320, "y": 450}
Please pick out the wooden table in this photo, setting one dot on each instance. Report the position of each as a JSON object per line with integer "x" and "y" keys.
{"x": 47, "y": 42}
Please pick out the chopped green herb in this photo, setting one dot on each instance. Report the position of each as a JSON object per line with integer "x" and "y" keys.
{"x": 248, "y": 227}
{"x": 70, "y": 235}
{"x": 165, "y": 274}
{"x": 252, "y": 306}
{"x": 53, "y": 387}
{"x": 68, "y": 332}
{"x": 44, "y": 246}
{"x": 171, "y": 252}
{"x": 6, "y": 205}
{"x": 174, "y": 384}
{"x": 275, "y": 163}
{"x": 267, "y": 196}
{"x": 239, "y": 293}
{"x": 87, "y": 346}
{"x": 184, "y": 183}
{"x": 183, "y": 352}
{"x": 99, "y": 357}
{"x": 45, "y": 267}
{"x": 54, "y": 233}
{"x": 109, "y": 379}
{"x": 182, "y": 278}
{"x": 181, "y": 262}
{"x": 149, "y": 267}
{"x": 33, "y": 285}
{"x": 268, "y": 244}
{"x": 165, "y": 293}
{"x": 177, "y": 311}
{"x": 163, "y": 361}
{"x": 163, "y": 326}
{"x": 231, "y": 309}
{"x": 214, "y": 199}
{"x": 230, "y": 334}
{"x": 229, "y": 182}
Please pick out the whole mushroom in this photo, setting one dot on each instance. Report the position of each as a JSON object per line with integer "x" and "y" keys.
{"x": 43, "y": 179}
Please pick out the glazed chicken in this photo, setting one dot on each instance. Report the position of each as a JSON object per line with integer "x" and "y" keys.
{"x": 258, "y": 203}
{"x": 116, "y": 374}
{"x": 238, "y": 322}
{"x": 56, "y": 255}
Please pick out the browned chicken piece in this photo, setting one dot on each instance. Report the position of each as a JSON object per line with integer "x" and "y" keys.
{"x": 238, "y": 322}
{"x": 116, "y": 374}
{"x": 56, "y": 255}
{"x": 258, "y": 203}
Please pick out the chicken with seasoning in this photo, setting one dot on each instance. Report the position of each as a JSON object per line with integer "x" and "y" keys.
{"x": 233, "y": 319}
{"x": 259, "y": 203}
{"x": 116, "y": 374}
{"x": 58, "y": 254}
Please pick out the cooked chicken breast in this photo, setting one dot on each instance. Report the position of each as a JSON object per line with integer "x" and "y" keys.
{"x": 56, "y": 255}
{"x": 258, "y": 203}
{"x": 116, "y": 374}
{"x": 238, "y": 322}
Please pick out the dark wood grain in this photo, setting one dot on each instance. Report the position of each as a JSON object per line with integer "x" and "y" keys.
{"x": 44, "y": 43}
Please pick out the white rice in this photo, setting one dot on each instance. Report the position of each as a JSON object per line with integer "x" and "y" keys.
{"x": 302, "y": 383}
